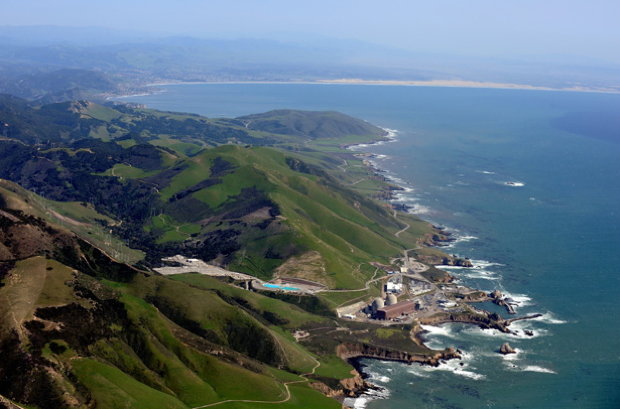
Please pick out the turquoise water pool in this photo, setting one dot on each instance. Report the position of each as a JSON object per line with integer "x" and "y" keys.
{"x": 280, "y": 287}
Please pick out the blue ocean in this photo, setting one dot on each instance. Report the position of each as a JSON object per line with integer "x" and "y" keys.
{"x": 529, "y": 182}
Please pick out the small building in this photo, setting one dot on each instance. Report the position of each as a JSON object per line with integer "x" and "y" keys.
{"x": 392, "y": 287}
{"x": 404, "y": 270}
{"x": 395, "y": 310}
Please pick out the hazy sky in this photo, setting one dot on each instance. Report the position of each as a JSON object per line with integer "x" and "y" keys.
{"x": 583, "y": 28}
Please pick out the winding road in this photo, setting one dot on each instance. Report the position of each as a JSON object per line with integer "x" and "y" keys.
{"x": 407, "y": 225}
{"x": 286, "y": 386}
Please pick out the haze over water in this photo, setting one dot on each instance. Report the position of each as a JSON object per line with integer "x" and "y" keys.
{"x": 553, "y": 243}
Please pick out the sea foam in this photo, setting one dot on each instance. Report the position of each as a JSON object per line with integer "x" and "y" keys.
{"x": 549, "y": 318}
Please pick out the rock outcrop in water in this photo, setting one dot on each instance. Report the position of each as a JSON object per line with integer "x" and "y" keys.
{"x": 498, "y": 298}
{"x": 506, "y": 349}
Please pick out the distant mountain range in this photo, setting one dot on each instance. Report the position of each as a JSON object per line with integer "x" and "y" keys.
{"x": 34, "y": 60}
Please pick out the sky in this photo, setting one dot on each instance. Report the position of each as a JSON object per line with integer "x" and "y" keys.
{"x": 582, "y": 29}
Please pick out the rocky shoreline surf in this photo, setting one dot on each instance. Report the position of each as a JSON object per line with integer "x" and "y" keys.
{"x": 399, "y": 196}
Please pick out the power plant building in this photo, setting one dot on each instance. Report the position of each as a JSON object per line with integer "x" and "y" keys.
{"x": 389, "y": 312}
{"x": 377, "y": 304}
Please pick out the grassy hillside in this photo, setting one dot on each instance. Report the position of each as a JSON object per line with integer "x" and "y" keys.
{"x": 287, "y": 209}
{"x": 83, "y": 336}
{"x": 265, "y": 207}
{"x": 269, "y": 195}
{"x": 309, "y": 124}
{"x": 84, "y": 331}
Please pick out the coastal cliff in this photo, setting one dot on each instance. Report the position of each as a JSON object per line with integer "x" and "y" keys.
{"x": 349, "y": 351}
{"x": 346, "y": 388}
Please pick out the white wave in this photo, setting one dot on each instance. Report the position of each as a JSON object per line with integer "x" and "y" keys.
{"x": 549, "y": 318}
{"x": 486, "y": 172}
{"x": 362, "y": 401}
{"x": 517, "y": 327}
{"x": 392, "y": 136}
{"x": 461, "y": 367}
{"x": 482, "y": 275}
{"x": 514, "y": 183}
{"x": 529, "y": 368}
{"x": 391, "y": 133}
{"x": 469, "y": 374}
{"x": 443, "y": 330}
{"x": 463, "y": 238}
{"x": 521, "y": 326}
{"x": 459, "y": 238}
{"x": 375, "y": 377}
{"x": 420, "y": 209}
{"x": 536, "y": 368}
{"x": 477, "y": 265}
{"x": 478, "y": 271}
{"x": 435, "y": 344}
{"x": 521, "y": 299}
{"x": 418, "y": 370}
{"x": 395, "y": 179}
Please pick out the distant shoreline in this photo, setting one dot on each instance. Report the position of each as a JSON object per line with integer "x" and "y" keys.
{"x": 428, "y": 83}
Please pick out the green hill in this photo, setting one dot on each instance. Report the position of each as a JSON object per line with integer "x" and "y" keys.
{"x": 78, "y": 330}
{"x": 310, "y": 124}
{"x": 256, "y": 209}
{"x": 100, "y": 186}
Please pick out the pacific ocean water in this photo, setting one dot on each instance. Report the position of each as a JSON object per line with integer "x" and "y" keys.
{"x": 551, "y": 240}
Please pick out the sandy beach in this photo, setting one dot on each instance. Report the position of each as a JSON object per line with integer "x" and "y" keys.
{"x": 451, "y": 83}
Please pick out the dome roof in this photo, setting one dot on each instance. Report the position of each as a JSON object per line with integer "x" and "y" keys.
{"x": 377, "y": 303}
{"x": 391, "y": 299}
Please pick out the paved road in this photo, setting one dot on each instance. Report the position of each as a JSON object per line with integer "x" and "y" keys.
{"x": 407, "y": 226}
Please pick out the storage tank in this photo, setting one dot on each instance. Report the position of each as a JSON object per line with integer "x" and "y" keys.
{"x": 391, "y": 299}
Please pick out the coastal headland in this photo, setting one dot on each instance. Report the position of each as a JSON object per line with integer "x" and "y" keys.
{"x": 264, "y": 248}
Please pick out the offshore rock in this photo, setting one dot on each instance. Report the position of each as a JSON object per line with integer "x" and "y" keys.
{"x": 506, "y": 349}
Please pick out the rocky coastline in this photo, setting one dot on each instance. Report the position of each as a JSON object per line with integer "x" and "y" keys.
{"x": 354, "y": 353}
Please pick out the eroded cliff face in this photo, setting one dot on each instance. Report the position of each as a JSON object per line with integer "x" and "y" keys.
{"x": 351, "y": 350}
{"x": 347, "y": 388}
{"x": 483, "y": 319}
{"x": 442, "y": 259}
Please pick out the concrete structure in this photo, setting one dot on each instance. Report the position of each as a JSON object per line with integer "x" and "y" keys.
{"x": 377, "y": 303}
{"x": 390, "y": 312}
{"x": 391, "y": 300}
{"x": 184, "y": 265}
{"x": 392, "y": 287}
